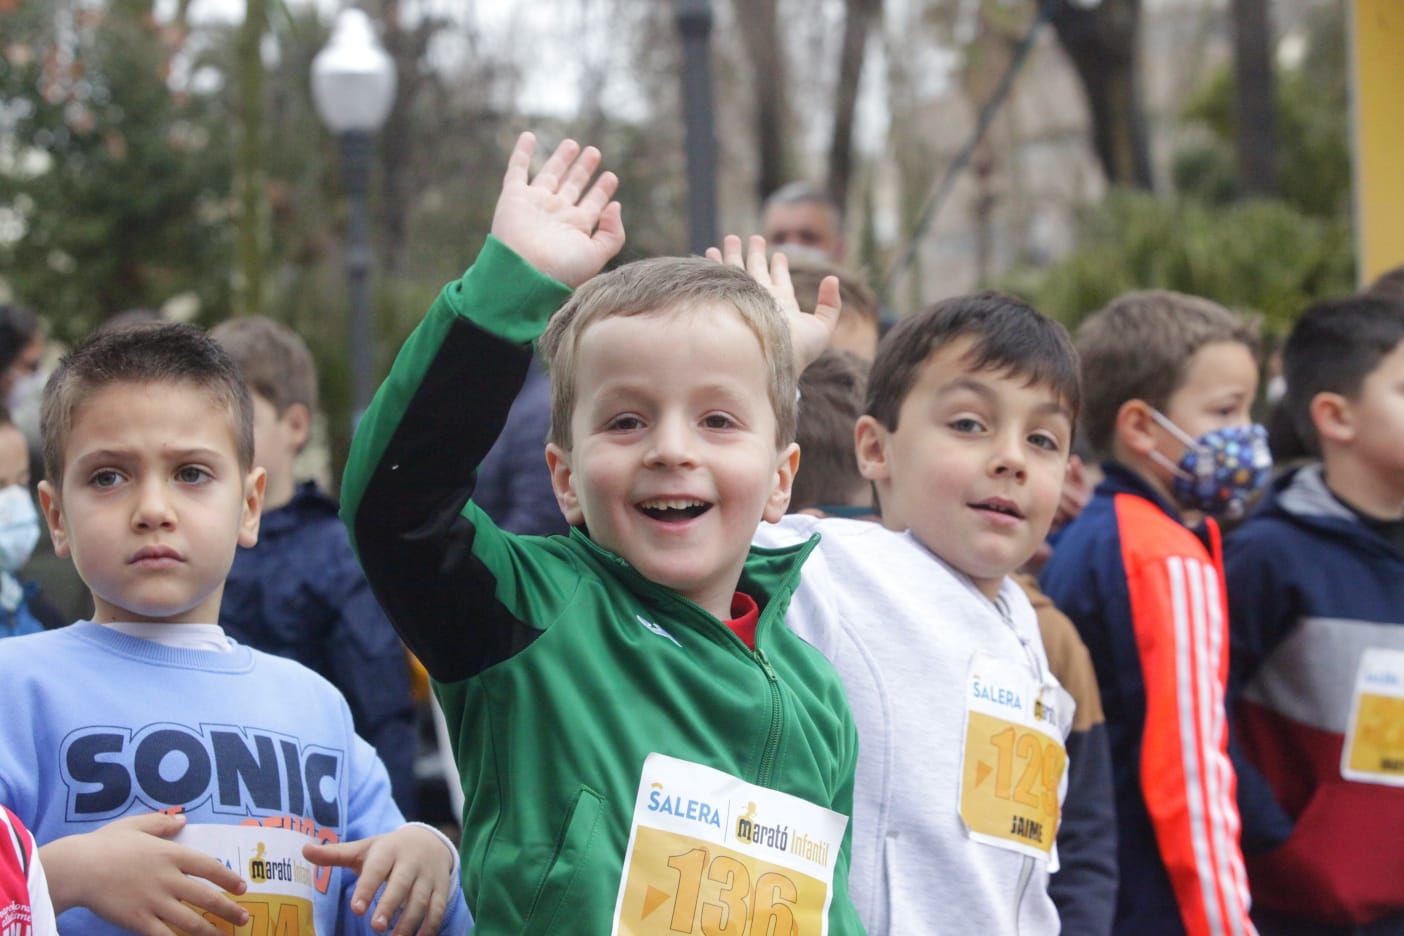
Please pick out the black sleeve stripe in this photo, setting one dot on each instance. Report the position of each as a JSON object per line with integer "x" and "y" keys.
{"x": 415, "y": 544}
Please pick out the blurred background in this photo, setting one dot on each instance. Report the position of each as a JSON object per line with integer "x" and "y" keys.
{"x": 167, "y": 154}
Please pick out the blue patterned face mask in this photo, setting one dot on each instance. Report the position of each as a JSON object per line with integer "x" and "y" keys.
{"x": 1221, "y": 470}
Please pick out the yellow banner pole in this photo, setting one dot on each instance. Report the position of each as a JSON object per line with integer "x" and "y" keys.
{"x": 1377, "y": 116}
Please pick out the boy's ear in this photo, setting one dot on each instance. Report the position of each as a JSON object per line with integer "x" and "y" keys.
{"x": 779, "y": 500}
{"x": 253, "y": 507}
{"x": 1333, "y": 417}
{"x": 870, "y": 446}
{"x": 53, "y": 514}
{"x": 1134, "y": 427}
{"x": 298, "y": 420}
{"x": 563, "y": 483}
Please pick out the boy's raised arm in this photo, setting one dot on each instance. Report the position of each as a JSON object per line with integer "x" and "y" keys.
{"x": 435, "y": 564}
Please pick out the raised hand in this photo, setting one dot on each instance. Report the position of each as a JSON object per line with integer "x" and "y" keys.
{"x": 415, "y": 866}
{"x": 131, "y": 875}
{"x": 809, "y": 334}
{"x": 558, "y": 222}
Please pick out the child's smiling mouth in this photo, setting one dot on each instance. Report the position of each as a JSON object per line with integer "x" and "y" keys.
{"x": 673, "y": 509}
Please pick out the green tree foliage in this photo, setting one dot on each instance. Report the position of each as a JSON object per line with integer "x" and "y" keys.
{"x": 1273, "y": 256}
{"x": 1258, "y": 255}
{"x": 115, "y": 187}
{"x": 1311, "y": 109}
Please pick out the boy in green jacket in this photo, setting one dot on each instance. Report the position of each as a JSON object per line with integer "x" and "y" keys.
{"x": 644, "y": 746}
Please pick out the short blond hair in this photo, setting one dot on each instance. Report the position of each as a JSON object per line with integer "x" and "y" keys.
{"x": 668, "y": 284}
{"x": 1138, "y": 347}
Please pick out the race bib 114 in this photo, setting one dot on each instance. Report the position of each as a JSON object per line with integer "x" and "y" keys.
{"x": 712, "y": 854}
{"x": 280, "y": 894}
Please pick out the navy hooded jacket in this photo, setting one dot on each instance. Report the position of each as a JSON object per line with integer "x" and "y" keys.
{"x": 301, "y": 594}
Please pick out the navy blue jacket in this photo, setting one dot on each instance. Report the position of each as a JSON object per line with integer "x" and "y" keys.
{"x": 34, "y": 613}
{"x": 514, "y": 485}
{"x": 301, "y": 594}
{"x": 1312, "y": 590}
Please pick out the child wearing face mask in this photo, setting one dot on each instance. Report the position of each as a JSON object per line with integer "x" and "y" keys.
{"x": 1168, "y": 381}
{"x": 23, "y": 607}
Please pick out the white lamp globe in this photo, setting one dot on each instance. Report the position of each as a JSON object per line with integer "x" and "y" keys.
{"x": 353, "y": 80}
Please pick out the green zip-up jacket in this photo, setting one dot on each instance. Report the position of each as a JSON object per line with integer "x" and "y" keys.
{"x": 558, "y": 666}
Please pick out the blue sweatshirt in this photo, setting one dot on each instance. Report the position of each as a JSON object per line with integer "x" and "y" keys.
{"x": 98, "y": 725}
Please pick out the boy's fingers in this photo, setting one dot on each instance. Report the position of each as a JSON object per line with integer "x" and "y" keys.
{"x": 203, "y": 866}
{"x": 344, "y": 855}
{"x": 829, "y": 303}
{"x": 212, "y": 901}
{"x": 374, "y": 872}
{"x": 609, "y": 233}
{"x": 398, "y": 886}
{"x": 438, "y": 907}
{"x": 731, "y": 251}
{"x": 416, "y": 905}
{"x": 780, "y": 274}
{"x": 551, "y": 174}
{"x": 519, "y": 163}
{"x": 578, "y": 176}
{"x": 713, "y": 254}
{"x": 755, "y": 260}
{"x": 182, "y": 919}
{"x": 163, "y": 825}
{"x": 597, "y": 199}
{"x": 151, "y": 927}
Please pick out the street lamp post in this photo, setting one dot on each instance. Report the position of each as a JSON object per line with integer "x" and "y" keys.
{"x": 694, "y": 19}
{"x": 353, "y": 86}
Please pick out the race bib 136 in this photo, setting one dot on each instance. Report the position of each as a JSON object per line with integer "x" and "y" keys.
{"x": 712, "y": 854}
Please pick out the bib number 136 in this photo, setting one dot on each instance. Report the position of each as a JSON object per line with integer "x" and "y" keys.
{"x": 711, "y": 854}
{"x": 768, "y": 907}
{"x": 678, "y": 885}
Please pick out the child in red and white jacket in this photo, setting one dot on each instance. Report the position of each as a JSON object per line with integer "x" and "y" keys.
{"x": 25, "y": 909}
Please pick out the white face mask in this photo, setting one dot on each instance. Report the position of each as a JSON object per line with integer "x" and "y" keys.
{"x": 19, "y": 527}
{"x": 24, "y": 390}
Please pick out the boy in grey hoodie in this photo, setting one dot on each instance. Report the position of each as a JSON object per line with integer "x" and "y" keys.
{"x": 961, "y": 764}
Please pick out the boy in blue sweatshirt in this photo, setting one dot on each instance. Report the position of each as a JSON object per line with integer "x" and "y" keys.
{"x": 149, "y": 708}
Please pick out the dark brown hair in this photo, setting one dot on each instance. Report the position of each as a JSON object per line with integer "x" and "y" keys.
{"x": 162, "y": 352}
{"x": 1006, "y": 335}
{"x": 1333, "y": 347}
{"x": 831, "y": 400}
